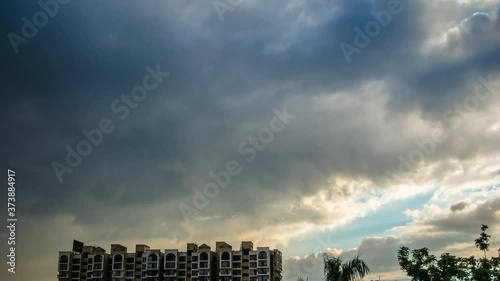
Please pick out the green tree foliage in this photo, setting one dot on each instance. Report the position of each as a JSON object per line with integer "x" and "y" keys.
{"x": 483, "y": 241}
{"x": 336, "y": 269}
{"x": 420, "y": 265}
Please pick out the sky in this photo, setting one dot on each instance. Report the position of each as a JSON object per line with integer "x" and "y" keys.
{"x": 349, "y": 127}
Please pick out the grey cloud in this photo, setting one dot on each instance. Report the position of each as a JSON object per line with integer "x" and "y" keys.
{"x": 459, "y": 206}
{"x": 226, "y": 77}
{"x": 471, "y": 221}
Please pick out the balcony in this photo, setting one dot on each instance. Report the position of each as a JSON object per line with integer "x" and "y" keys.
{"x": 152, "y": 266}
{"x": 264, "y": 272}
{"x": 153, "y": 273}
{"x": 204, "y": 272}
{"x": 170, "y": 273}
{"x": 117, "y": 266}
{"x": 170, "y": 265}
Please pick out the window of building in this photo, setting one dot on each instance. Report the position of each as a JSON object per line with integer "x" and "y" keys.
{"x": 225, "y": 257}
{"x": 170, "y": 257}
{"x": 204, "y": 256}
{"x": 262, "y": 255}
{"x": 225, "y": 272}
{"x": 262, "y": 271}
{"x": 63, "y": 259}
{"x": 118, "y": 258}
{"x": 98, "y": 259}
{"x": 152, "y": 258}
{"x": 152, "y": 266}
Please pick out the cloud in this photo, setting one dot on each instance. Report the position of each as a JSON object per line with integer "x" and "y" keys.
{"x": 459, "y": 206}
{"x": 335, "y": 163}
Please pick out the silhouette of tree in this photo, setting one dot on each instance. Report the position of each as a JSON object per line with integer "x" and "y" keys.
{"x": 336, "y": 269}
{"x": 420, "y": 265}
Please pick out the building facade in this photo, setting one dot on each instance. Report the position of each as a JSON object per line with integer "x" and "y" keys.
{"x": 197, "y": 263}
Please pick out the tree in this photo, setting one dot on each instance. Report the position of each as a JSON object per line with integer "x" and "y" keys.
{"x": 420, "y": 265}
{"x": 417, "y": 263}
{"x": 336, "y": 269}
{"x": 483, "y": 241}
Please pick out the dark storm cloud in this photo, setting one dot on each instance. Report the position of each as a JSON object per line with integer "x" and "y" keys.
{"x": 90, "y": 54}
{"x": 226, "y": 78}
{"x": 485, "y": 213}
{"x": 459, "y": 206}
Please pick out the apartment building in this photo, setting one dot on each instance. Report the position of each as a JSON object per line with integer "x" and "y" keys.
{"x": 197, "y": 263}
